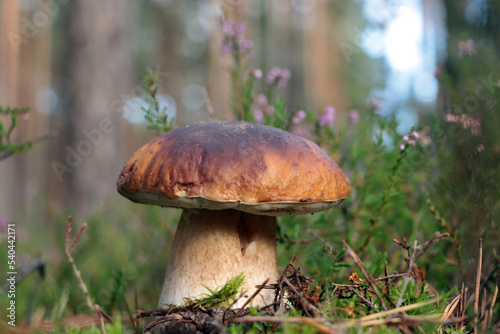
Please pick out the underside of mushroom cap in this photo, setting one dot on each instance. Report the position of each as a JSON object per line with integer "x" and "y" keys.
{"x": 234, "y": 165}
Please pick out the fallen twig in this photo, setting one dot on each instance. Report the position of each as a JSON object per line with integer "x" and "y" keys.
{"x": 397, "y": 310}
{"x": 163, "y": 319}
{"x": 492, "y": 304}
{"x": 365, "y": 272}
{"x": 315, "y": 322}
{"x": 306, "y": 305}
{"x": 247, "y": 302}
{"x": 366, "y": 301}
{"x": 407, "y": 320}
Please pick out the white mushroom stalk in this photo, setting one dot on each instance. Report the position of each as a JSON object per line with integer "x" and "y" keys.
{"x": 211, "y": 246}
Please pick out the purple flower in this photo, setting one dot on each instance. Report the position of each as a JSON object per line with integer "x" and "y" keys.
{"x": 227, "y": 27}
{"x": 328, "y": 117}
{"x": 245, "y": 44}
{"x": 451, "y": 118}
{"x": 255, "y": 73}
{"x": 473, "y": 125}
{"x": 239, "y": 29}
{"x": 225, "y": 47}
{"x": 278, "y": 76}
{"x": 261, "y": 99}
{"x": 285, "y": 77}
{"x": 299, "y": 117}
{"x": 410, "y": 139}
{"x": 258, "y": 116}
{"x": 466, "y": 48}
{"x": 259, "y": 106}
{"x": 374, "y": 103}
{"x": 353, "y": 116}
{"x": 234, "y": 39}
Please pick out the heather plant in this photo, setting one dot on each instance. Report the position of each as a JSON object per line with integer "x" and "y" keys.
{"x": 466, "y": 139}
{"x": 157, "y": 117}
{"x": 390, "y": 259}
{"x": 7, "y": 147}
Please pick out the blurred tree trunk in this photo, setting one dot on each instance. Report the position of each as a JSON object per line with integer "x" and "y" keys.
{"x": 24, "y": 64}
{"x": 324, "y": 63}
{"x": 9, "y": 69}
{"x": 9, "y": 61}
{"x": 98, "y": 65}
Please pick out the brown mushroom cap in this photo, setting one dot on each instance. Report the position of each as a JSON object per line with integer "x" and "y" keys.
{"x": 234, "y": 165}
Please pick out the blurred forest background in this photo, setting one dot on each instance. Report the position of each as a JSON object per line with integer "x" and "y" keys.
{"x": 78, "y": 63}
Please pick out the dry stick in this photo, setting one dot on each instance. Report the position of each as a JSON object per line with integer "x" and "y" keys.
{"x": 369, "y": 303}
{"x": 478, "y": 283}
{"x": 331, "y": 250}
{"x": 448, "y": 311}
{"x": 290, "y": 320}
{"x": 434, "y": 238}
{"x": 483, "y": 311}
{"x": 208, "y": 103}
{"x": 163, "y": 319}
{"x": 378, "y": 279}
{"x": 155, "y": 313}
{"x": 100, "y": 317}
{"x": 369, "y": 320}
{"x": 408, "y": 277}
{"x": 397, "y": 310}
{"x": 280, "y": 286}
{"x": 242, "y": 293}
{"x": 67, "y": 250}
{"x": 463, "y": 302}
{"x": 130, "y": 316}
{"x": 247, "y": 302}
{"x": 384, "y": 278}
{"x": 405, "y": 320}
{"x": 492, "y": 304}
{"x": 365, "y": 272}
{"x": 303, "y": 300}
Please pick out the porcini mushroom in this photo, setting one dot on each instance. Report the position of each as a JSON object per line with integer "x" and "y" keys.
{"x": 232, "y": 180}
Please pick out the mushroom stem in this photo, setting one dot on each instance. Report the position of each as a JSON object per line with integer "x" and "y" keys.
{"x": 211, "y": 247}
